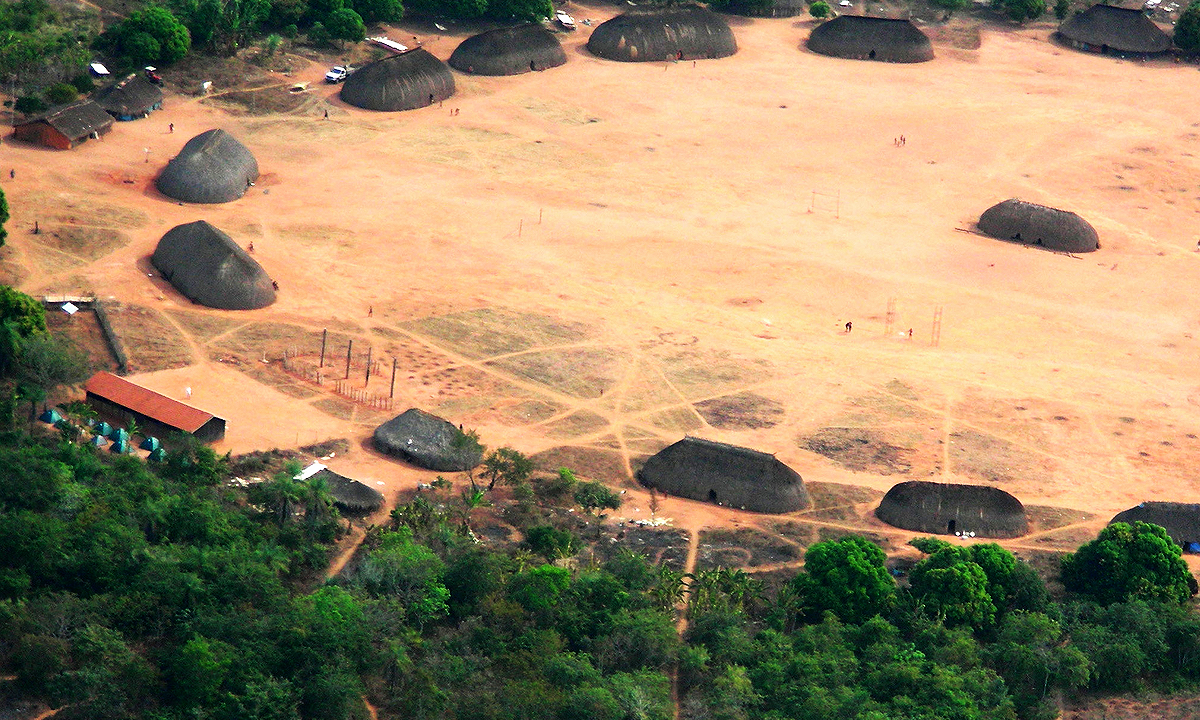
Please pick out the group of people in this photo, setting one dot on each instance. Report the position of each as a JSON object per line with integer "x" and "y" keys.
{"x": 900, "y": 141}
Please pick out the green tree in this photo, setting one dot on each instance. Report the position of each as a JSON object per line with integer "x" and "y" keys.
{"x": 1062, "y": 8}
{"x": 523, "y": 10}
{"x": 1034, "y": 658}
{"x": 538, "y": 589}
{"x": 1021, "y": 10}
{"x": 375, "y": 11}
{"x": 44, "y": 363}
{"x": 550, "y": 542}
{"x": 198, "y": 671}
{"x": 593, "y": 496}
{"x": 27, "y": 314}
{"x": 847, "y": 577}
{"x": 61, "y": 93}
{"x": 819, "y": 9}
{"x": 408, "y": 572}
{"x": 1187, "y": 28}
{"x": 1138, "y": 561}
{"x": 506, "y": 466}
{"x": 950, "y": 6}
{"x": 152, "y": 35}
{"x": 454, "y": 9}
{"x": 954, "y": 588}
{"x": 345, "y": 24}
{"x": 3, "y": 220}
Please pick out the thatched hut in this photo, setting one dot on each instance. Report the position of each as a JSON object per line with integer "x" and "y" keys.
{"x": 858, "y": 37}
{"x": 727, "y": 475}
{"x": 414, "y": 79}
{"x": 1034, "y": 224}
{"x": 212, "y": 167}
{"x": 947, "y": 508}
{"x": 766, "y": 8}
{"x": 1114, "y": 30}
{"x": 351, "y": 496}
{"x": 130, "y": 98}
{"x": 648, "y": 34}
{"x": 509, "y": 51}
{"x": 428, "y": 441}
{"x": 65, "y": 126}
{"x": 209, "y": 268}
{"x": 1180, "y": 520}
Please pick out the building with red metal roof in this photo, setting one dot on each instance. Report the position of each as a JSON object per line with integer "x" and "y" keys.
{"x": 157, "y": 414}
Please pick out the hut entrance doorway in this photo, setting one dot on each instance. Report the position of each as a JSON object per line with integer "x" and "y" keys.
{"x": 872, "y": 54}
{"x": 950, "y": 527}
{"x": 712, "y": 495}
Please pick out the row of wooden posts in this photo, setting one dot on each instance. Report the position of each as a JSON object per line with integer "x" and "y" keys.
{"x": 342, "y": 386}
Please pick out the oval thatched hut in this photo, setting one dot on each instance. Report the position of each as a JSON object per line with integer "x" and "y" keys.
{"x": 1119, "y": 31}
{"x": 727, "y": 475}
{"x": 509, "y": 51}
{"x": 765, "y": 8}
{"x": 351, "y": 496}
{"x": 411, "y": 80}
{"x": 663, "y": 33}
{"x": 428, "y": 441}
{"x": 212, "y": 167}
{"x": 209, "y": 268}
{"x": 1180, "y": 520}
{"x": 858, "y": 37}
{"x": 946, "y": 508}
{"x": 1034, "y": 224}
{"x": 130, "y": 98}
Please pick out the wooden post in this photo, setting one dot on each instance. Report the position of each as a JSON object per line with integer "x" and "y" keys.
{"x": 324, "y": 337}
{"x": 367, "y": 382}
{"x": 520, "y": 227}
{"x": 392, "y": 392}
{"x": 349, "y": 347}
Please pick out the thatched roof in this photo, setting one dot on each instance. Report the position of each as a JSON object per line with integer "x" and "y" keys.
{"x": 726, "y": 474}
{"x": 132, "y": 97}
{"x": 212, "y": 167}
{"x": 946, "y": 508}
{"x": 651, "y": 33}
{"x": 1105, "y": 28}
{"x": 76, "y": 120}
{"x": 858, "y": 37}
{"x": 1181, "y": 520}
{"x": 209, "y": 268}
{"x": 351, "y": 495}
{"x": 1034, "y": 224}
{"x": 766, "y": 8}
{"x": 428, "y": 441}
{"x": 509, "y": 51}
{"x": 414, "y": 79}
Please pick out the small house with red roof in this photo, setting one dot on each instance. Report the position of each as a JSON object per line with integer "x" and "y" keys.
{"x": 120, "y": 400}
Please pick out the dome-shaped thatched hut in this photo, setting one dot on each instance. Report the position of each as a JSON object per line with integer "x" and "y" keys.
{"x": 411, "y": 80}
{"x": 351, "y": 496}
{"x": 1120, "y": 31}
{"x": 946, "y": 508}
{"x": 428, "y": 441}
{"x": 130, "y": 98}
{"x": 663, "y": 33}
{"x": 1034, "y": 224}
{"x": 767, "y": 8}
{"x": 858, "y": 37}
{"x": 209, "y": 268}
{"x": 727, "y": 475}
{"x": 509, "y": 51}
{"x": 1180, "y": 520}
{"x": 212, "y": 167}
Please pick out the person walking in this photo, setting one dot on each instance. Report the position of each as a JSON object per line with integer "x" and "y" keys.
{"x": 171, "y": 127}
{"x": 849, "y": 326}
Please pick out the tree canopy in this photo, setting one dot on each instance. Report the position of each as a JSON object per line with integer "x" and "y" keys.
{"x": 1187, "y": 28}
{"x": 1138, "y": 561}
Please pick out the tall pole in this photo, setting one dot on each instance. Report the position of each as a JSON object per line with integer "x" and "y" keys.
{"x": 324, "y": 337}
{"x": 392, "y": 392}
{"x": 349, "y": 346}
{"x": 368, "y": 380}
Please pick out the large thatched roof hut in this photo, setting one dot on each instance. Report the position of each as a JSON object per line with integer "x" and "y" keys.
{"x": 212, "y": 167}
{"x": 858, "y": 37}
{"x": 428, "y": 441}
{"x": 663, "y": 33}
{"x": 209, "y": 268}
{"x": 727, "y": 475}
{"x": 1120, "y": 31}
{"x": 411, "y": 80}
{"x": 766, "y": 8}
{"x": 509, "y": 51}
{"x": 1180, "y": 520}
{"x": 351, "y": 496}
{"x": 947, "y": 508}
{"x": 130, "y": 98}
{"x": 1034, "y": 224}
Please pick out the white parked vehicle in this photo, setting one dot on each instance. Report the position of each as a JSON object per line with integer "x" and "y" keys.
{"x": 338, "y": 73}
{"x": 566, "y": 21}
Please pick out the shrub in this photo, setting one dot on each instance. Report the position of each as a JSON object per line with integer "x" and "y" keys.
{"x": 819, "y": 9}
{"x": 61, "y": 93}
{"x": 30, "y": 104}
